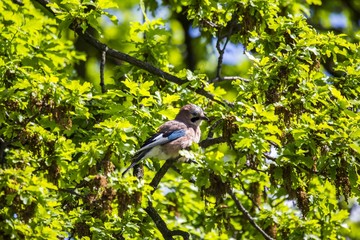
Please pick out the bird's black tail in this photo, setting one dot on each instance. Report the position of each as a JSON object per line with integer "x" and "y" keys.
{"x": 131, "y": 166}
{"x": 136, "y": 159}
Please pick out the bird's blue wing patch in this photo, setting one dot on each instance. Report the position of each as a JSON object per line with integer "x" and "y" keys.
{"x": 162, "y": 138}
{"x": 175, "y": 134}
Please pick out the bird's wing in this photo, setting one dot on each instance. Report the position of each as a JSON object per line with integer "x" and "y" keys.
{"x": 168, "y": 132}
{"x": 162, "y": 138}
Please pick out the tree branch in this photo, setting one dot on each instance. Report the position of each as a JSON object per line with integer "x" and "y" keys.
{"x": 161, "y": 173}
{"x": 228, "y": 31}
{"x": 221, "y": 52}
{"x": 247, "y": 194}
{"x": 3, "y": 145}
{"x": 146, "y": 66}
{"x": 134, "y": 61}
{"x": 161, "y": 225}
{"x": 353, "y": 9}
{"x": 102, "y": 68}
{"x": 247, "y": 214}
{"x": 212, "y": 128}
{"x": 270, "y": 157}
{"x": 211, "y": 141}
{"x": 229, "y": 78}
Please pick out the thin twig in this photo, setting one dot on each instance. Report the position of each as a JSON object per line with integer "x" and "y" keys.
{"x": 248, "y": 196}
{"x": 71, "y": 191}
{"x": 212, "y": 128}
{"x": 221, "y": 52}
{"x": 230, "y": 78}
{"x": 270, "y": 157}
{"x": 228, "y": 32}
{"x": 102, "y": 68}
{"x": 209, "y": 23}
{"x": 247, "y": 214}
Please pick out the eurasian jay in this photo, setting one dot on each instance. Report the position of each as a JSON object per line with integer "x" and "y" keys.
{"x": 172, "y": 136}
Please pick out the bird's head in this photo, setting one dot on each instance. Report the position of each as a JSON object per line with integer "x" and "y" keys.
{"x": 191, "y": 115}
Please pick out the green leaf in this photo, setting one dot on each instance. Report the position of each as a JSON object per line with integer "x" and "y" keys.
{"x": 244, "y": 143}
{"x": 355, "y": 146}
{"x": 170, "y": 98}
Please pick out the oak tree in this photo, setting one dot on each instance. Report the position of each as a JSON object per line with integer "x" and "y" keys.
{"x": 83, "y": 83}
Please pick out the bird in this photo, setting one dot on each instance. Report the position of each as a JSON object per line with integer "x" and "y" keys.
{"x": 172, "y": 136}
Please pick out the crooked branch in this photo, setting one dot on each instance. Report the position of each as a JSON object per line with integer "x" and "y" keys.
{"x": 221, "y": 52}
{"x": 134, "y": 61}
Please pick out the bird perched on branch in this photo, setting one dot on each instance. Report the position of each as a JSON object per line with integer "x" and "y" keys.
{"x": 172, "y": 136}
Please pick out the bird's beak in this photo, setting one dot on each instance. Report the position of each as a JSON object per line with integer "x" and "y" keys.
{"x": 203, "y": 117}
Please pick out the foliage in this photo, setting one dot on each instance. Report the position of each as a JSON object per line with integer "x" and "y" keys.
{"x": 284, "y": 138}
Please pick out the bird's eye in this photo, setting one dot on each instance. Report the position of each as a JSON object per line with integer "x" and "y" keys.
{"x": 194, "y": 113}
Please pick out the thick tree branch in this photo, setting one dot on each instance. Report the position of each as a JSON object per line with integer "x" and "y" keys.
{"x": 134, "y": 61}
{"x": 211, "y": 141}
{"x": 151, "y": 211}
{"x": 247, "y": 214}
{"x": 161, "y": 225}
{"x": 161, "y": 173}
{"x": 355, "y": 12}
{"x": 186, "y": 24}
